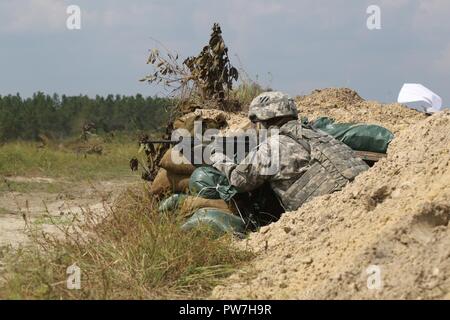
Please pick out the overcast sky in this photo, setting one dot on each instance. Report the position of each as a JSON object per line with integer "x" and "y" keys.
{"x": 289, "y": 45}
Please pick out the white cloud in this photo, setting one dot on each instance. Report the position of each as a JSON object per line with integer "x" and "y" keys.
{"x": 32, "y": 16}
{"x": 321, "y": 42}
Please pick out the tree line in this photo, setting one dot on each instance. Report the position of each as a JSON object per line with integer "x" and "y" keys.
{"x": 64, "y": 116}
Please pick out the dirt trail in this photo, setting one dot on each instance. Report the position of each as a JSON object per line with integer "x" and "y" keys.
{"x": 386, "y": 235}
{"x": 45, "y": 208}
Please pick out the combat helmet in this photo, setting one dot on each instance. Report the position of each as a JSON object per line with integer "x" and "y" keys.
{"x": 271, "y": 105}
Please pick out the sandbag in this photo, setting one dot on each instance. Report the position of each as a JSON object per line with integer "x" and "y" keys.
{"x": 361, "y": 137}
{"x": 174, "y": 162}
{"x": 211, "y": 121}
{"x": 218, "y": 221}
{"x": 189, "y": 204}
{"x": 186, "y": 122}
{"x": 165, "y": 182}
{"x": 210, "y": 183}
{"x": 171, "y": 203}
{"x": 193, "y": 203}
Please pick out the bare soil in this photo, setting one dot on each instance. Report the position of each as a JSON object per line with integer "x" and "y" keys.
{"x": 45, "y": 208}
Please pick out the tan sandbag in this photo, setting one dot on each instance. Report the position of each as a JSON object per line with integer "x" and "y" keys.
{"x": 186, "y": 122}
{"x": 165, "y": 182}
{"x": 174, "y": 162}
{"x": 192, "y": 203}
{"x": 211, "y": 119}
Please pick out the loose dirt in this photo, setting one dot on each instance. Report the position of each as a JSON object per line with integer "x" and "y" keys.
{"x": 45, "y": 209}
{"x": 345, "y": 105}
{"x": 385, "y": 236}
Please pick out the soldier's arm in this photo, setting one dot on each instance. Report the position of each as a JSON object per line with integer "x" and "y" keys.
{"x": 252, "y": 172}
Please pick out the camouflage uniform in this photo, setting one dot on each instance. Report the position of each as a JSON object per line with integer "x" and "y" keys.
{"x": 311, "y": 162}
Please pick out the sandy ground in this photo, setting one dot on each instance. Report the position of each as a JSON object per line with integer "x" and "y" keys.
{"x": 37, "y": 207}
{"x": 385, "y": 236}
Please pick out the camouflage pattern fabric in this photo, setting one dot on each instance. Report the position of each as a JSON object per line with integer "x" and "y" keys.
{"x": 311, "y": 163}
{"x": 270, "y": 105}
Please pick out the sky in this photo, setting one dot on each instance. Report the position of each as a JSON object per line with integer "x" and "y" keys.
{"x": 294, "y": 46}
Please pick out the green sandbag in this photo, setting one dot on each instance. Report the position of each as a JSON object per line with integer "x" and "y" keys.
{"x": 171, "y": 203}
{"x": 220, "y": 222}
{"x": 210, "y": 183}
{"x": 361, "y": 137}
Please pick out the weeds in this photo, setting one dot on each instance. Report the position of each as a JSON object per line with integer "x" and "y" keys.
{"x": 246, "y": 92}
{"x": 26, "y": 187}
{"x": 128, "y": 251}
{"x": 26, "y": 159}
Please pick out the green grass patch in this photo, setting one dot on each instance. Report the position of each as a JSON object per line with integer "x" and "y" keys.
{"x": 131, "y": 252}
{"x": 4, "y": 211}
{"x": 246, "y": 92}
{"x": 26, "y": 159}
{"x": 26, "y": 187}
{"x": 53, "y": 220}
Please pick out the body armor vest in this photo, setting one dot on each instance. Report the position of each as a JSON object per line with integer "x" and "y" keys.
{"x": 332, "y": 165}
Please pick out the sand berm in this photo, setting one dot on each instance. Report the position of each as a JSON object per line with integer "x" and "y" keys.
{"x": 395, "y": 217}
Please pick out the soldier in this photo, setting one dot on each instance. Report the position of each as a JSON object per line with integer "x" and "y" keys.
{"x": 311, "y": 162}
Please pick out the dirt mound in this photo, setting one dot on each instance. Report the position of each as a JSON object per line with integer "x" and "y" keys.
{"x": 345, "y": 105}
{"x": 394, "y": 217}
{"x": 234, "y": 120}
{"x": 341, "y": 104}
{"x": 329, "y": 97}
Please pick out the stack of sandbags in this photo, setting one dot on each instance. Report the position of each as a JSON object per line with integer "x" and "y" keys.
{"x": 193, "y": 203}
{"x": 174, "y": 174}
{"x": 205, "y": 205}
{"x": 185, "y": 205}
{"x": 168, "y": 182}
{"x": 198, "y": 212}
{"x": 174, "y": 162}
{"x": 177, "y": 169}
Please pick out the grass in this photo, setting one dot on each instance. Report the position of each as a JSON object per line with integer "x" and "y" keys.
{"x": 52, "y": 220}
{"x": 4, "y": 211}
{"x": 26, "y": 159}
{"x": 129, "y": 252}
{"x": 246, "y": 92}
{"x": 27, "y": 187}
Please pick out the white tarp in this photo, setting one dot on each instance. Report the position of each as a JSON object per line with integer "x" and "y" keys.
{"x": 418, "y": 97}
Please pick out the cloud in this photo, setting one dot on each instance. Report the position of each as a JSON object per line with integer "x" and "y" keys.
{"x": 304, "y": 43}
{"x": 31, "y": 16}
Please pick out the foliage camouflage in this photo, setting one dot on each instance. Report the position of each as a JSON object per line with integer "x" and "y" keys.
{"x": 208, "y": 76}
{"x": 211, "y": 70}
{"x": 204, "y": 81}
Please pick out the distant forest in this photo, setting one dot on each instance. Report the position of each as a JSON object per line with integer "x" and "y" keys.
{"x": 63, "y": 116}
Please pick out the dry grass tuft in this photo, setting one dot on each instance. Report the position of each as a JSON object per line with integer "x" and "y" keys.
{"x": 127, "y": 252}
